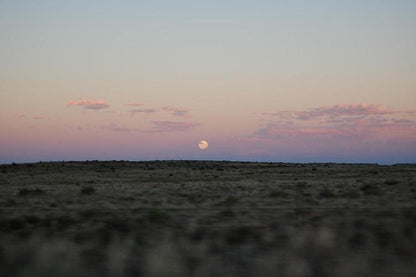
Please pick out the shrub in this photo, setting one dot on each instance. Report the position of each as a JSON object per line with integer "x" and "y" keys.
{"x": 240, "y": 234}
{"x": 350, "y": 194}
{"x": 227, "y": 213}
{"x": 391, "y": 182}
{"x": 326, "y": 193}
{"x": 301, "y": 185}
{"x": 370, "y": 189}
{"x": 157, "y": 216}
{"x": 26, "y": 191}
{"x": 16, "y": 224}
{"x": 230, "y": 201}
{"x": 278, "y": 194}
{"x": 88, "y": 190}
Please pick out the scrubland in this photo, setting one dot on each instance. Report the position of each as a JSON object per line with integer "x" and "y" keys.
{"x": 207, "y": 218}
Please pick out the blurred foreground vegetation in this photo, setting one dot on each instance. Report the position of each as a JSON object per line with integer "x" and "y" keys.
{"x": 207, "y": 218}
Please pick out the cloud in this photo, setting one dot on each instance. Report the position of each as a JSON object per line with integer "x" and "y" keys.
{"x": 342, "y": 123}
{"x": 89, "y": 104}
{"x": 177, "y": 111}
{"x": 136, "y": 104}
{"x": 149, "y": 110}
{"x": 116, "y": 128}
{"x": 156, "y": 127}
{"x": 172, "y": 126}
{"x": 335, "y": 111}
{"x": 112, "y": 112}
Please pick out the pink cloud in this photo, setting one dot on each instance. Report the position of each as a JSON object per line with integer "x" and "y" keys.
{"x": 355, "y": 129}
{"x": 157, "y": 127}
{"x": 177, "y": 111}
{"x": 116, "y": 128}
{"x": 136, "y": 104}
{"x": 172, "y": 126}
{"x": 149, "y": 110}
{"x": 112, "y": 112}
{"x": 339, "y": 125}
{"x": 89, "y": 104}
{"x": 335, "y": 111}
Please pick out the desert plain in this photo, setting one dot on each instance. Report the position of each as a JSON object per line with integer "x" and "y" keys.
{"x": 207, "y": 218}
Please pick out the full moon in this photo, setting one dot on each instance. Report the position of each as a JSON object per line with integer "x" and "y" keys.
{"x": 203, "y": 145}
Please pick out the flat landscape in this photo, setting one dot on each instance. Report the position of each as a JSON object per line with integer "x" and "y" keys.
{"x": 207, "y": 218}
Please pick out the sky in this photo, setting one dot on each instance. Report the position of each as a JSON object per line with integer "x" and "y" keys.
{"x": 290, "y": 81}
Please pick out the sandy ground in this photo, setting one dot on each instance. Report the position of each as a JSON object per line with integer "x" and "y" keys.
{"x": 203, "y": 218}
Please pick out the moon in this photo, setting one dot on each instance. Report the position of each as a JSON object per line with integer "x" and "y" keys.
{"x": 203, "y": 144}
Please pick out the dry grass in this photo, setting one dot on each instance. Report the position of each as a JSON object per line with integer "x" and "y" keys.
{"x": 191, "y": 218}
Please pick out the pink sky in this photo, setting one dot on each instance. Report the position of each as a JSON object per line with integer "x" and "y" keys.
{"x": 259, "y": 80}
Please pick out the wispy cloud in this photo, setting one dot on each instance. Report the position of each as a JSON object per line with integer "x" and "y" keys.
{"x": 172, "y": 126}
{"x": 116, "y": 128}
{"x": 148, "y": 110}
{"x": 177, "y": 111}
{"x": 135, "y": 104}
{"x": 89, "y": 104}
{"x": 155, "y": 127}
{"x": 339, "y": 122}
{"x": 334, "y": 111}
{"x": 361, "y": 130}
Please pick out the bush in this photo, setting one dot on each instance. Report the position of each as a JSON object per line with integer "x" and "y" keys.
{"x": 350, "y": 194}
{"x": 391, "y": 182}
{"x": 230, "y": 201}
{"x": 278, "y": 194}
{"x": 240, "y": 234}
{"x": 301, "y": 185}
{"x": 370, "y": 189}
{"x": 88, "y": 190}
{"x": 25, "y": 191}
{"x": 157, "y": 216}
{"x": 326, "y": 193}
{"x": 227, "y": 212}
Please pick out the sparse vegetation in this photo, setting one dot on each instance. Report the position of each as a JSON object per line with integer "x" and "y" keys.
{"x": 391, "y": 182}
{"x": 156, "y": 215}
{"x": 88, "y": 190}
{"x": 229, "y": 201}
{"x": 350, "y": 193}
{"x": 326, "y": 193}
{"x": 301, "y": 185}
{"x": 227, "y": 212}
{"x": 240, "y": 234}
{"x": 249, "y": 220}
{"x": 278, "y": 194}
{"x": 29, "y": 191}
{"x": 370, "y": 189}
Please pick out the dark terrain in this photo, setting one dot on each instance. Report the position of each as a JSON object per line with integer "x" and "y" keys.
{"x": 207, "y": 218}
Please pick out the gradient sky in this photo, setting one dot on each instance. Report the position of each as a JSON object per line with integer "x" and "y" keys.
{"x": 296, "y": 81}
